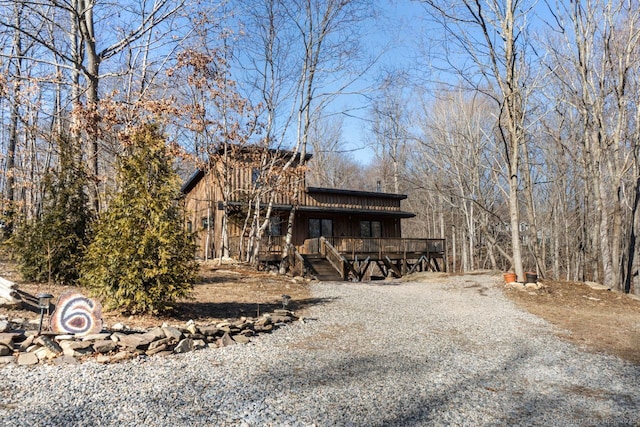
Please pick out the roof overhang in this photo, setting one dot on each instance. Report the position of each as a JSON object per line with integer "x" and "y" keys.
{"x": 360, "y": 212}
{"x": 193, "y": 180}
{"x": 321, "y": 190}
{"x": 335, "y": 211}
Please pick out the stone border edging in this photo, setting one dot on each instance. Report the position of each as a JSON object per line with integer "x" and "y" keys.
{"x": 111, "y": 346}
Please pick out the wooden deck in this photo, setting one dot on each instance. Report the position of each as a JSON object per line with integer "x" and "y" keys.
{"x": 360, "y": 259}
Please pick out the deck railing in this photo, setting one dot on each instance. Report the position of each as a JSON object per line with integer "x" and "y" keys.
{"x": 268, "y": 244}
{"x": 356, "y": 245}
{"x": 381, "y": 246}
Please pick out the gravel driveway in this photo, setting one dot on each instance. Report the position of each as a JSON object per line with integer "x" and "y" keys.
{"x": 454, "y": 352}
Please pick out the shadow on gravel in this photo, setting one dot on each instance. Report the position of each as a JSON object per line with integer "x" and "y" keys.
{"x": 198, "y": 310}
{"x": 409, "y": 396}
{"x": 382, "y": 283}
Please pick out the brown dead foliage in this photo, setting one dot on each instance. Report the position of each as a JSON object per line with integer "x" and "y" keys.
{"x": 594, "y": 319}
{"x": 223, "y": 292}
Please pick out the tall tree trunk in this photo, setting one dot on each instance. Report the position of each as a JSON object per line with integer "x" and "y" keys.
{"x": 531, "y": 214}
{"x": 9, "y": 209}
{"x": 631, "y": 244}
{"x": 93, "y": 78}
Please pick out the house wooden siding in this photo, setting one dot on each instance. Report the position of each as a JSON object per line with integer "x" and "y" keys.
{"x": 347, "y": 199}
{"x": 346, "y": 209}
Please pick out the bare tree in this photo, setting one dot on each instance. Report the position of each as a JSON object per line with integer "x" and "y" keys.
{"x": 332, "y": 166}
{"x": 597, "y": 66}
{"x": 16, "y": 88}
{"x": 88, "y": 49}
{"x": 454, "y": 158}
{"x": 391, "y": 127}
{"x": 306, "y": 56}
{"x": 493, "y": 35}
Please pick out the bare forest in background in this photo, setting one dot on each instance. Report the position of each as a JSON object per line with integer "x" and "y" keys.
{"x": 514, "y": 130}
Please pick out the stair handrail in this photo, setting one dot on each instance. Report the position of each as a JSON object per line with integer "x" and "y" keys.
{"x": 334, "y": 257}
{"x": 298, "y": 260}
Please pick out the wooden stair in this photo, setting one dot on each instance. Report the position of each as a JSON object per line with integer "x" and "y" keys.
{"x": 321, "y": 268}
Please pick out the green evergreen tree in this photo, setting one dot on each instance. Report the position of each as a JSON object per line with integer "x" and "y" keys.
{"x": 50, "y": 247}
{"x": 141, "y": 257}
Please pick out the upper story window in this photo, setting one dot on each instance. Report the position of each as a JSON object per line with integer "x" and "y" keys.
{"x": 370, "y": 229}
{"x": 255, "y": 177}
{"x": 275, "y": 228}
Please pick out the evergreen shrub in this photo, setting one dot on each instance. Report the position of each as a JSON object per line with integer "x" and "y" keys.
{"x": 141, "y": 257}
{"x": 50, "y": 247}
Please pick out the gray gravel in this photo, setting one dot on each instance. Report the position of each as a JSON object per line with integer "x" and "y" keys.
{"x": 454, "y": 352}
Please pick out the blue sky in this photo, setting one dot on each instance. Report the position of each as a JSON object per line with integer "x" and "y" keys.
{"x": 398, "y": 35}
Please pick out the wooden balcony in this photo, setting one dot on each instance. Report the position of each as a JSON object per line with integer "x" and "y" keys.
{"x": 354, "y": 257}
{"x": 379, "y": 248}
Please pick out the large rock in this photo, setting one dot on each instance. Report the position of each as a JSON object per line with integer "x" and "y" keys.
{"x": 184, "y": 346}
{"x": 76, "y": 348}
{"x": 148, "y": 337}
{"x": 281, "y": 318}
{"x": 27, "y": 359}
{"x": 241, "y": 339}
{"x": 43, "y": 353}
{"x": 116, "y": 336}
{"x": 65, "y": 337}
{"x": 96, "y": 337}
{"x": 5, "y": 350}
{"x": 7, "y": 339}
{"x": 5, "y": 360}
{"x": 158, "y": 333}
{"x": 104, "y": 346}
{"x": 156, "y": 349}
{"x": 119, "y": 327}
{"x": 102, "y": 358}
{"x": 209, "y": 331}
{"x": 266, "y": 328}
{"x": 75, "y": 345}
{"x": 199, "y": 344}
{"x": 191, "y": 327}
{"x": 122, "y": 355}
{"x": 263, "y": 321}
{"x": 65, "y": 360}
{"x": 226, "y": 340}
{"x": 243, "y": 324}
{"x": 4, "y": 326}
{"x": 284, "y": 312}
{"x": 164, "y": 341}
{"x": 26, "y": 343}
{"x": 171, "y": 332}
{"x": 47, "y": 342}
{"x": 134, "y": 341}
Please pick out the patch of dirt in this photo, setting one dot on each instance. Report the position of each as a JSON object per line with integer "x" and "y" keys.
{"x": 227, "y": 291}
{"x": 597, "y": 320}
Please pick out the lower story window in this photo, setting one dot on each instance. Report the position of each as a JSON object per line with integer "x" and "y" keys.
{"x": 320, "y": 227}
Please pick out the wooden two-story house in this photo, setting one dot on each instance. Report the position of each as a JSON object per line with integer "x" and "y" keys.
{"x": 357, "y": 233}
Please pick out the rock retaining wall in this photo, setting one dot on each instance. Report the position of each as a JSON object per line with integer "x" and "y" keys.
{"x": 26, "y": 347}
